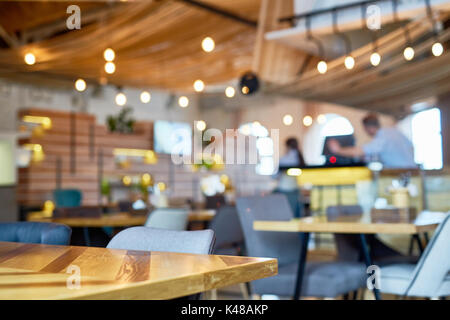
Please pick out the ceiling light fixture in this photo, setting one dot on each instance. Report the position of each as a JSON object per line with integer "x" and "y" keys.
{"x": 145, "y": 97}
{"x": 208, "y": 44}
{"x": 230, "y": 92}
{"x": 80, "y": 85}
{"x": 110, "y": 67}
{"x": 199, "y": 85}
{"x": 437, "y": 48}
{"x": 109, "y": 54}
{"x": 183, "y": 102}
{"x": 30, "y": 58}
{"x": 349, "y": 61}
{"x": 322, "y": 66}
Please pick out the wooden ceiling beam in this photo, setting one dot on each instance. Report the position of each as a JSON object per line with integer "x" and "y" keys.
{"x": 11, "y": 40}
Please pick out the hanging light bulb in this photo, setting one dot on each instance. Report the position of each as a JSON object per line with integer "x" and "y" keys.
{"x": 208, "y": 44}
{"x": 200, "y": 125}
{"x": 322, "y": 67}
{"x": 109, "y": 54}
{"x": 145, "y": 97}
{"x": 80, "y": 85}
{"x": 375, "y": 59}
{"x": 321, "y": 118}
{"x": 121, "y": 99}
{"x": 183, "y": 101}
{"x": 307, "y": 121}
{"x": 230, "y": 92}
{"x": 408, "y": 53}
{"x": 30, "y": 59}
{"x": 349, "y": 62}
{"x": 199, "y": 85}
{"x": 110, "y": 67}
{"x": 288, "y": 120}
{"x": 437, "y": 49}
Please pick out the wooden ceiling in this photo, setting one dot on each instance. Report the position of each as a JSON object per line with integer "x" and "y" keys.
{"x": 157, "y": 43}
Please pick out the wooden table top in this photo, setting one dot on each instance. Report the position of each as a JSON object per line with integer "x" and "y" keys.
{"x": 120, "y": 219}
{"x": 427, "y": 221}
{"x": 35, "y": 271}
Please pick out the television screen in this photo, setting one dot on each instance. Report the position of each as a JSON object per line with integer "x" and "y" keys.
{"x": 173, "y": 137}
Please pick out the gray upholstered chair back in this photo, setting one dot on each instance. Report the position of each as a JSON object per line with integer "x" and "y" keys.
{"x": 434, "y": 264}
{"x": 149, "y": 239}
{"x": 168, "y": 219}
{"x": 35, "y": 232}
{"x": 227, "y": 227}
{"x": 281, "y": 245}
{"x": 347, "y": 246}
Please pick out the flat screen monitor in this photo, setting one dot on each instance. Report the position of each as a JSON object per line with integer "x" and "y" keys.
{"x": 172, "y": 137}
{"x": 335, "y": 160}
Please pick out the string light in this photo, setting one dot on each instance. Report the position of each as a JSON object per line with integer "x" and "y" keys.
{"x": 109, "y": 54}
{"x": 307, "y": 121}
{"x": 349, "y": 62}
{"x": 288, "y": 120}
{"x": 80, "y": 85}
{"x": 230, "y": 92}
{"x": 208, "y": 44}
{"x": 30, "y": 59}
{"x": 145, "y": 97}
{"x": 199, "y": 85}
{"x": 183, "y": 101}
{"x": 321, "y": 118}
{"x": 121, "y": 99}
{"x": 437, "y": 49}
{"x": 110, "y": 67}
{"x": 200, "y": 125}
{"x": 375, "y": 59}
{"x": 322, "y": 67}
{"x": 408, "y": 53}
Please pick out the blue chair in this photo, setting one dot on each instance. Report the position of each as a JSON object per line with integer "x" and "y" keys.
{"x": 35, "y": 232}
{"x": 228, "y": 231}
{"x": 67, "y": 198}
{"x": 322, "y": 279}
{"x": 430, "y": 277}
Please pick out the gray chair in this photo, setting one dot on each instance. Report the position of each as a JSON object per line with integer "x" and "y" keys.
{"x": 325, "y": 279}
{"x": 349, "y": 247}
{"x": 35, "y": 232}
{"x": 430, "y": 277}
{"x": 150, "y": 239}
{"x": 228, "y": 231}
{"x": 168, "y": 219}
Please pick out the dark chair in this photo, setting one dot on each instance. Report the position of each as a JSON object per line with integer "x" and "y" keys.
{"x": 67, "y": 198}
{"x": 294, "y": 198}
{"x": 229, "y": 237}
{"x": 76, "y": 212}
{"x": 35, "y": 232}
{"x": 324, "y": 279}
{"x": 349, "y": 247}
{"x": 215, "y": 202}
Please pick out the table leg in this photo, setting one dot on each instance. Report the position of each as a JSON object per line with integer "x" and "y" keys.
{"x": 301, "y": 264}
{"x": 368, "y": 260}
{"x": 87, "y": 240}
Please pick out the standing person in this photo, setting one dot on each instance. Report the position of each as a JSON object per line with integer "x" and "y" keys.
{"x": 388, "y": 146}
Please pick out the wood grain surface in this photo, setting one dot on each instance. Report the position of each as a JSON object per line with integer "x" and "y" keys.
{"x": 35, "y": 271}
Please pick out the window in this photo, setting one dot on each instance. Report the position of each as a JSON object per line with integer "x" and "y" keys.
{"x": 427, "y": 138}
{"x": 264, "y": 145}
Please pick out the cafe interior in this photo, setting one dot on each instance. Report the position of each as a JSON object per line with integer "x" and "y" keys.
{"x": 225, "y": 149}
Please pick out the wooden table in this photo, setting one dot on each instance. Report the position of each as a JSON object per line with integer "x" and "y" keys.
{"x": 120, "y": 219}
{"x": 34, "y": 271}
{"x": 427, "y": 221}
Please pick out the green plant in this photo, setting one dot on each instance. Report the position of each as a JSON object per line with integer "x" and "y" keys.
{"x": 123, "y": 122}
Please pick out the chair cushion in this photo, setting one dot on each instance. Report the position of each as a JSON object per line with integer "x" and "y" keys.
{"x": 326, "y": 280}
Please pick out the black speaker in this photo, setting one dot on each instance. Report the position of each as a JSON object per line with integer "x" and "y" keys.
{"x": 249, "y": 83}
